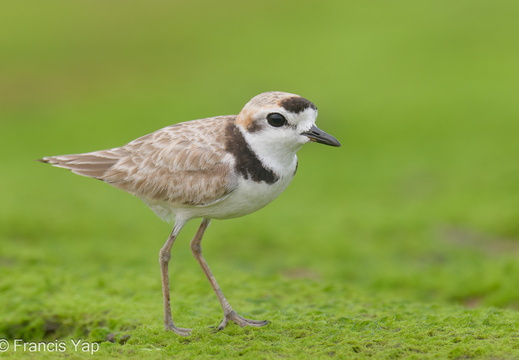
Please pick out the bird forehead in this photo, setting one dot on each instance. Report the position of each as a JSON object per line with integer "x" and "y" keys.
{"x": 291, "y": 105}
{"x": 290, "y": 102}
{"x": 296, "y": 104}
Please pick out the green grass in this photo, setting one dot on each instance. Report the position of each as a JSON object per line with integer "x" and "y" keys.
{"x": 402, "y": 244}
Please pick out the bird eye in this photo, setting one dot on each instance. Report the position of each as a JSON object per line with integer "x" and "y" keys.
{"x": 276, "y": 119}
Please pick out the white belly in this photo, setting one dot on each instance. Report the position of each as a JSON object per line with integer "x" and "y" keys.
{"x": 249, "y": 196}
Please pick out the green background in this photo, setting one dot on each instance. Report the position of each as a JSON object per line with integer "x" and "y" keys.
{"x": 403, "y": 243}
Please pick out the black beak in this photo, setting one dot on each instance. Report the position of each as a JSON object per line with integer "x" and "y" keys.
{"x": 317, "y": 135}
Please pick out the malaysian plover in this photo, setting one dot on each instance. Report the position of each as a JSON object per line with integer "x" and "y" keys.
{"x": 215, "y": 168}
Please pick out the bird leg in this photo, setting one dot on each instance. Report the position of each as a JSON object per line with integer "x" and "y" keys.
{"x": 229, "y": 313}
{"x": 164, "y": 257}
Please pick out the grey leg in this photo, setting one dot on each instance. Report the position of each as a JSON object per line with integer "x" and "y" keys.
{"x": 164, "y": 257}
{"x": 229, "y": 313}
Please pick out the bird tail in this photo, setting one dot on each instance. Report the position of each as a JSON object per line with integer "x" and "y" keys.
{"x": 93, "y": 164}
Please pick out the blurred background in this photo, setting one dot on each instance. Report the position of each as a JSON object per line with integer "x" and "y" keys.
{"x": 420, "y": 202}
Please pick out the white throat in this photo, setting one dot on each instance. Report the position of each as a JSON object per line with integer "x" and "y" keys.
{"x": 277, "y": 156}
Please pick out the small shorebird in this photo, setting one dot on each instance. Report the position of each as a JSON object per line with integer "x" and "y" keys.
{"x": 215, "y": 168}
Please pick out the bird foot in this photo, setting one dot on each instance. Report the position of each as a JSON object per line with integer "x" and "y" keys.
{"x": 177, "y": 330}
{"x": 232, "y": 316}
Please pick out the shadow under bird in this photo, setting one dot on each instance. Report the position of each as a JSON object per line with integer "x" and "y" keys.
{"x": 215, "y": 168}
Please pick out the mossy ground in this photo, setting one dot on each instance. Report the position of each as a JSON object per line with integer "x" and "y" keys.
{"x": 401, "y": 244}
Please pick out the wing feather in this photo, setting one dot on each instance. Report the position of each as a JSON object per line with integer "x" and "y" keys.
{"x": 184, "y": 163}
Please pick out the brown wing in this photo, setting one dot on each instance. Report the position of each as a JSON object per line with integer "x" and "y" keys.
{"x": 184, "y": 163}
